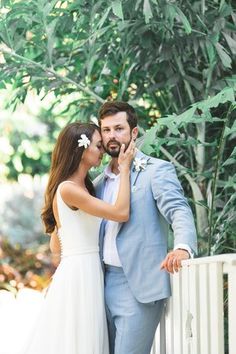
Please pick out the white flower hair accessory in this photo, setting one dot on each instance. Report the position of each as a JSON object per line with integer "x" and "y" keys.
{"x": 140, "y": 164}
{"x": 83, "y": 141}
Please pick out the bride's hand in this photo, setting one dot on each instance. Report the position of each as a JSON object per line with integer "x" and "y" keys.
{"x": 125, "y": 157}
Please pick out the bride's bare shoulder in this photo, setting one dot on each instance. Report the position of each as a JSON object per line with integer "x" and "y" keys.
{"x": 71, "y": 189}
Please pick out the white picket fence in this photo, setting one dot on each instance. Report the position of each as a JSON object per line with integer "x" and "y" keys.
{"x": 193, "y": 321}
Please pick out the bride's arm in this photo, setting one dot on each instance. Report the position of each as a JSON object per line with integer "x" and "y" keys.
{"x": 75, "y": 196}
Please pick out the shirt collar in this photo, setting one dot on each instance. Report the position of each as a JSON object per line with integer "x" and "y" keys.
{"x": 109, "y": 174}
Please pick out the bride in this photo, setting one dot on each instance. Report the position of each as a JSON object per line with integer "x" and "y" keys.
{"x": 72, "y": 320}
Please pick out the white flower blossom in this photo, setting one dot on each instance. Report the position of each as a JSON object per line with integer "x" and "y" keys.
{"x": 84, "y": 141}
{"x": 140, "y": 164}
{"x": 106, "y": 71}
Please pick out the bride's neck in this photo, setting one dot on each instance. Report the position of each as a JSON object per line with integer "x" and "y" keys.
{"x": 80, "y": 175}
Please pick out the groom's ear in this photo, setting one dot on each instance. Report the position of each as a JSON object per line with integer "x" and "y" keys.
{"x": 134, "y": 133}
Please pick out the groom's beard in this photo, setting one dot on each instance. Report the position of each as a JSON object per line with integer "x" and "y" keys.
{"x": 113, "y": 147}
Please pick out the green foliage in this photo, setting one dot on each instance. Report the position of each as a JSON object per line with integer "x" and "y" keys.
{"x": 174, "y": 52}
{"x": 162, "y": 56}
{"x": 203, "y": 165}
{"x": 26, "y": 142}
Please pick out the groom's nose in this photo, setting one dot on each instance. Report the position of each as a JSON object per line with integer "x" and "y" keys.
{"x": 111, "y": 134}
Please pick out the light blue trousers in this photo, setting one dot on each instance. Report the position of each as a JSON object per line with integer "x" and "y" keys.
{"x": 131, "y": 324}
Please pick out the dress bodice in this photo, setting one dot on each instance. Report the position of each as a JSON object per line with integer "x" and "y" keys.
{"x": 79, "y": 231}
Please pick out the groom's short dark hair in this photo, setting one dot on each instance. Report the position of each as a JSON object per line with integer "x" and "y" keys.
{"x": 111, "y": 108}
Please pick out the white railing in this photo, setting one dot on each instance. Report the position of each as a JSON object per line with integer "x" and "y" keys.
{"x": 193, "y": 322}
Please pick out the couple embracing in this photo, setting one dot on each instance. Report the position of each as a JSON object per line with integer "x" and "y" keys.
{"x": 108, "y": 292}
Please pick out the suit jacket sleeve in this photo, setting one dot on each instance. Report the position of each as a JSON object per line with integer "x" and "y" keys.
{"x": 168, "y": 194}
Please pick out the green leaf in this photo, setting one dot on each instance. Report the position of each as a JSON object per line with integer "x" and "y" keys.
{"x": 232, "y": 158}
{"x": 125, "y": 79}
{"x": 225, "y": 10}
{"x": 183, "y": 19}
{"x": 231, "y": 81}
{"x": 201, "y": 22}
{"x": 91, "y": 62}
{"x": 147, "y": 11}
{"x": 224, "y": 57}
{"x": 233, "y": 15}
{"x": 210, "y": 51}
{"x": 47, "y": 6}
{"x": 197, "y": 84}
{"x": 214, "y": 37}
{"x": 103, "y": 19}
{"x": 5, "y": 34}
{"x": 231, "y": 130}
{"x": 231, "y": 42}
{"x": 117, "y": 9}
{"x": 149, "y": 138}
{"x": 222, "y": 2}
{"x": 137, "y": 4}
{"x": 186, "y": 116}
{"x": 170, "y": 123}
{"x": 202, "y": 203}
{"x": 51, "y": 37}
{"x": 226, "y": 95}
{"x": 229, "y": 161}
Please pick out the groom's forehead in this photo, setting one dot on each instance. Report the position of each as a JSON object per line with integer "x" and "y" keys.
{"x": 114, "y": 120}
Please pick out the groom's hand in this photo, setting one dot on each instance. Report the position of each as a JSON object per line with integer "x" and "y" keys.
{"x": 172, "y": 262}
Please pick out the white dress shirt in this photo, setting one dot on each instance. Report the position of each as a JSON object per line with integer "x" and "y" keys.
{"x": 110, "y": 253}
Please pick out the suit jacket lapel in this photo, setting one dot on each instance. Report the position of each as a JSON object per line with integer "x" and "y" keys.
{"x": 134, "y": 173}
{"x": 133, "y": 177}
{"x": 100, "y": 187}
{"x": 101, "y": 240}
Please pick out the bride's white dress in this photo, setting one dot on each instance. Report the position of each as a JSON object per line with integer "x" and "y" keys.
{"x": 72, "y": 320}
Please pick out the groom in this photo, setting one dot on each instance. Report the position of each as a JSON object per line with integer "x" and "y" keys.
{"x": 134, "y": 253}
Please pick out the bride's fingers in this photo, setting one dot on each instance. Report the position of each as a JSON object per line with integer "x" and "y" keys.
{"x": 122, "y": 149}
{"x": 127, "y": 154}
{"x": 131, "y": 148}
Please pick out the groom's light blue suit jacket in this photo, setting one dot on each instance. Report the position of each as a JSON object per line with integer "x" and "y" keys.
{"x": 157, "y": 201}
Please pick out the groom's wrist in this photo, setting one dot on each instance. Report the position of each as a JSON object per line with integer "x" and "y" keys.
{"x": 185, "y": 248}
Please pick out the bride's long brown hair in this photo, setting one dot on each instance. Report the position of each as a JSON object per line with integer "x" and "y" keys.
{"x": 65, "y": 160}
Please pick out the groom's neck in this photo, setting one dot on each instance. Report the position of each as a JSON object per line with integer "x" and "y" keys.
{"x": 115, "y": 166}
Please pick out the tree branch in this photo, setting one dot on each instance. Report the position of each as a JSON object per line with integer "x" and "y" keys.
{"x": 54, "y": 73}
